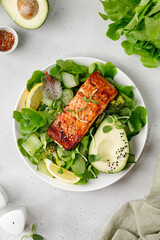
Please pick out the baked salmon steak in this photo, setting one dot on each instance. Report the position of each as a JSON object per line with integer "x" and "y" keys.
{"x": 74, "y": 122}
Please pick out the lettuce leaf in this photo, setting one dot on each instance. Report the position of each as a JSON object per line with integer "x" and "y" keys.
{"x": 139, "y": 21}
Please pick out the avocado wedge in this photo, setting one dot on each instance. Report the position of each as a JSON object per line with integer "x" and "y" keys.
{"x": 29, "y": 14}
{"x": 111, "y": 144}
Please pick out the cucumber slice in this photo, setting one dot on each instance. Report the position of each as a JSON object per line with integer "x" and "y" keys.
{"x": 67, "y": 95}
{"x": 32, "y": 144}
{"x": 69, "y": 80}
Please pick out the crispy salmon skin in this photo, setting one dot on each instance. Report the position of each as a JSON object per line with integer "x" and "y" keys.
{"x": 74, "y": 122}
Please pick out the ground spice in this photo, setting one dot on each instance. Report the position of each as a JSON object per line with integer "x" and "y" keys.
{"x": 6, "y": 40}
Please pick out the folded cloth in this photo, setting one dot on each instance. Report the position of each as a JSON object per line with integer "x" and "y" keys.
{"x": 138, "y": 219}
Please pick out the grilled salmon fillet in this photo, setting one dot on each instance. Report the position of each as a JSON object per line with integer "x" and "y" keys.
{"x": 75, "y": 120}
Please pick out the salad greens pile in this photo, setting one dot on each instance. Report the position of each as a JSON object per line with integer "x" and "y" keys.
{"x": 33, "y": 124}
{"x": 139, "y": 21}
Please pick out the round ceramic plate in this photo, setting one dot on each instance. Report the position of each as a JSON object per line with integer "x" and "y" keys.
{"x": 136, "y": 144}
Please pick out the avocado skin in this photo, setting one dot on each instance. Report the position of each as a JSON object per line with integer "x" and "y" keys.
{"x": 48, "y": 8}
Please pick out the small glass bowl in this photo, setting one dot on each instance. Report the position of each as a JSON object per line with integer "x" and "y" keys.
{"x": 9, "y": 29}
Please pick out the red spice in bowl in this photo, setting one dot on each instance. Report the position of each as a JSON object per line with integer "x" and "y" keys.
{"x": 7, "y": 40}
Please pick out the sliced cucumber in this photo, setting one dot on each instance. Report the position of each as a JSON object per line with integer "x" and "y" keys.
{"x": 32, "y": 144}
{"x": 69, "y": 80}
{"x": 67, "y": 95}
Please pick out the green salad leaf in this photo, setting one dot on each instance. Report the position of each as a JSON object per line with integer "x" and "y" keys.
{"x": 93, "y": 158}
{"x": 106, "y": 70}
{"x": 136, "y": 122}
{"x": 35, "y": 79}
{"x": 30, "y": 120}
{"x": 55, "y": 71}
{"x": 71, "y": 67}
{"x": 139, "y": 21}
{"x": 79, "y": 165}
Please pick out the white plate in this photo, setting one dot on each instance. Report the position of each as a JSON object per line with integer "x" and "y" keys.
{"x": 136, "y": 145}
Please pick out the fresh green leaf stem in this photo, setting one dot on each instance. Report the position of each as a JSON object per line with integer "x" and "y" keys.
{"x": 33, "y": 235}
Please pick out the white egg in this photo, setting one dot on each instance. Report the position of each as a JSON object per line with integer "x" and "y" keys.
{"x": 14, "y": 221}
{"x": 3, "y": 197}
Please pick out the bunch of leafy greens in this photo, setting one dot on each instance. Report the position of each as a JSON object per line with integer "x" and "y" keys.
{"x": 139, "y": 21}
{"x": 37, "y": 145}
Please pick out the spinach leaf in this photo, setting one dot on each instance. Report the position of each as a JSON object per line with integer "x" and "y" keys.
{"x": 84, "y": 178}
{"x": 127, "y": 90}
{"x": 55, "y": 71}
{"x": 36, "y": 78}
{"x": 85, "y": 142}
{"x": 30, "y": 120}
{"x": 106, "y": 70}
{"x": 71, "y": 67}
{"x": 136, "y": 122}
{"x": 128, "y": 101}
{"x": 124, "y": 114}
{"x": 94, "y": 158}
{"x": 37, "y": 118}
{"x": 17, "y": 116}
{"x": 111, "y": 70}
{"x": 79, "y": 165}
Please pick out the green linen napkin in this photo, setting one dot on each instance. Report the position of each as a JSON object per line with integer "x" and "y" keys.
{"x": 138, "y": 219}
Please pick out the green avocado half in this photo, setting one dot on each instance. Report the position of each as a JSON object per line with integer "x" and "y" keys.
{"x": 112, "y": 147}
{"x": 29, "y": 14}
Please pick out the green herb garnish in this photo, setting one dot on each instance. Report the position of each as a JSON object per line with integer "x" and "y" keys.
{"x": 76, "y": 113}
{"x": 33, "y": 235}
{"x": 94, "y": 158}
{"x": 110, "y": 119}
{"x": 107, "y": 129}
{"x": 60, "y": 170}
{"x": 120, "y": 126}
{"x": 90, "y": 98}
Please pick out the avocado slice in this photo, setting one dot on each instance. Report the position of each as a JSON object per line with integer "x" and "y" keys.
{"x": 111, "y": 145}
{"x": 29, "y": 14}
